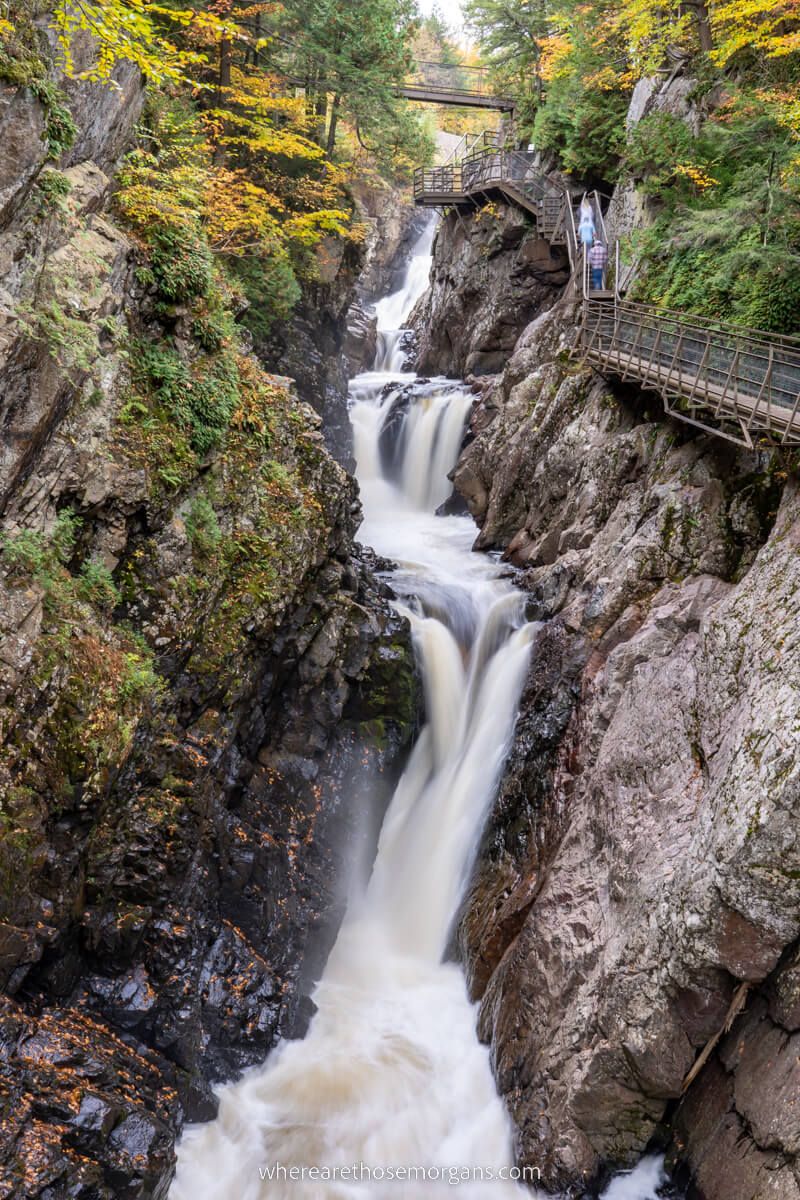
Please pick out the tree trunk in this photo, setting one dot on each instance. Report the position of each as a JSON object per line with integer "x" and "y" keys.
{"x": 223, "y": 82}
{"x": 699, "y": 10}
{"x": 332, "y": 124}
{"x": 225, "y": 57}
{"x": 311, "y": 81}
{"x": 256, "y": 38}
{"x": 321, "y": 111}
{"x": 704, "y": 27}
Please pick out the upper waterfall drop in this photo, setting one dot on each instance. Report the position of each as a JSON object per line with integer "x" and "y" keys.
{"x": 407, "y": 433}
{"x": 393, "y": 310}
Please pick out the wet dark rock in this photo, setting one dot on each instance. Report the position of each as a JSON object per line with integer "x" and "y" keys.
{"x": 84, "y": 1113}
{"x": 311, "y": 347}
{"x": 361, "y": 339}
{"x": 737, "y": 1126}
{"x": 164, "y": 914}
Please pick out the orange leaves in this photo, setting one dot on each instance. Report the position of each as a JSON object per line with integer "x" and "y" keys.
{"x": 239, "y": 215}
{"x": 554, "y": 52}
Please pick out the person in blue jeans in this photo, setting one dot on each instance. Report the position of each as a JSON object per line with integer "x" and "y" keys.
{"x": 598, "y": 260}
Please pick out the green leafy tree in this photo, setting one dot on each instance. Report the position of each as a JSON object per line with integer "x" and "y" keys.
{"x": 350, "y": 58}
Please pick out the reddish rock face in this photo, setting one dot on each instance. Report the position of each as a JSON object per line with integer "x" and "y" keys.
{"x": 738, "y": 1126}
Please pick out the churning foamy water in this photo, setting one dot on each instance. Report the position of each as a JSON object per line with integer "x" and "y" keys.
{"x": 390, "y": 1094}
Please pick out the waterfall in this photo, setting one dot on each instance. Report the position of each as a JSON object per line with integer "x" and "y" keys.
{"x": 391, "y": 1079}
{"x": 393, "y": 309}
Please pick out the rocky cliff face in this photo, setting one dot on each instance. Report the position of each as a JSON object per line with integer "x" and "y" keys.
{"x": 310, "y": 347}
{"x": 491, "y": 275}
{"x": 193, "y": 661}
{"x": 637, "y": 887}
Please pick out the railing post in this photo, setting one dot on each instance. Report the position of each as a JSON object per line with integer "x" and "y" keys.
{"x": 726, "y": 385}
{"x": 761, "y": 390}
{"x": 639, "y": 328}
{"x": 654, "y": 366}
{"x": 703, "y": 360}
{"x": 678, "y": 349}
{"x": 790, "y": 422}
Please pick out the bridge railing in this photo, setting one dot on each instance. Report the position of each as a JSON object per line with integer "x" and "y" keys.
{"x": 490, "y": 167}
{"x": 450, "y": 77}
{"x": 744, "y": 375}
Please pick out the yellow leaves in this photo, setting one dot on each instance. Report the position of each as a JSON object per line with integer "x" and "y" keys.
{"x": 308, "y": 227}
{"x": 650, "y": 28}
{"x": 256, "y": 117}
{"x": 123, "y": 30}
{"x": 133, "y": 31}
{"x": 756, "y": 25}
{"x": 697, "y": 176}
{"x": 152, "y": 194}
{"x": 232, "y": 128}
{"x": 736, "y": 25}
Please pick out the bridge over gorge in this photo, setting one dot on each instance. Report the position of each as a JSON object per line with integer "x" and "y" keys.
{"x": 745, "y": 381}
{"x": 453, "y": 84}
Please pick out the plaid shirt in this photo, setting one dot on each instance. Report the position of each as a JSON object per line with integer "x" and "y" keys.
{"x": 598, "y": 256}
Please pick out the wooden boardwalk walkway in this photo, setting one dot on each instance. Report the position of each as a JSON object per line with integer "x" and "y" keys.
{"x": 730, "y": 381}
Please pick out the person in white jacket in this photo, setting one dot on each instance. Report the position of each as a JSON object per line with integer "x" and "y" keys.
{"x": 586, "y": 225}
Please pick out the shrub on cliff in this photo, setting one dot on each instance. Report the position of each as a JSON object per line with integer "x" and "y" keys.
{"x": 728, "y": 241}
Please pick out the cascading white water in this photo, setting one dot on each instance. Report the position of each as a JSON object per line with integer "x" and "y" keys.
{"x": 393, "y": 309}
{"x": 391, "y": 1076}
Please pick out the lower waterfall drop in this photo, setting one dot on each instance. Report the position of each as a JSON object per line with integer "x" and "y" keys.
{"x": 390, "y": 1094}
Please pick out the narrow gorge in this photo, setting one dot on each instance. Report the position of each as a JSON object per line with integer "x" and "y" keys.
{"x": 399, "y": 693}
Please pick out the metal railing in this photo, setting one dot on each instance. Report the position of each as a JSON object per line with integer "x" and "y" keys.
{"x": 450, "y": 77}
{"x": 485, "y": 168}
{"x": 733, "y": 374}
{"x": 450, "y": 82}
{"x": 440, "y": 184}
{"x": 738, "y": 377}
{"x": 488, "y": 168}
